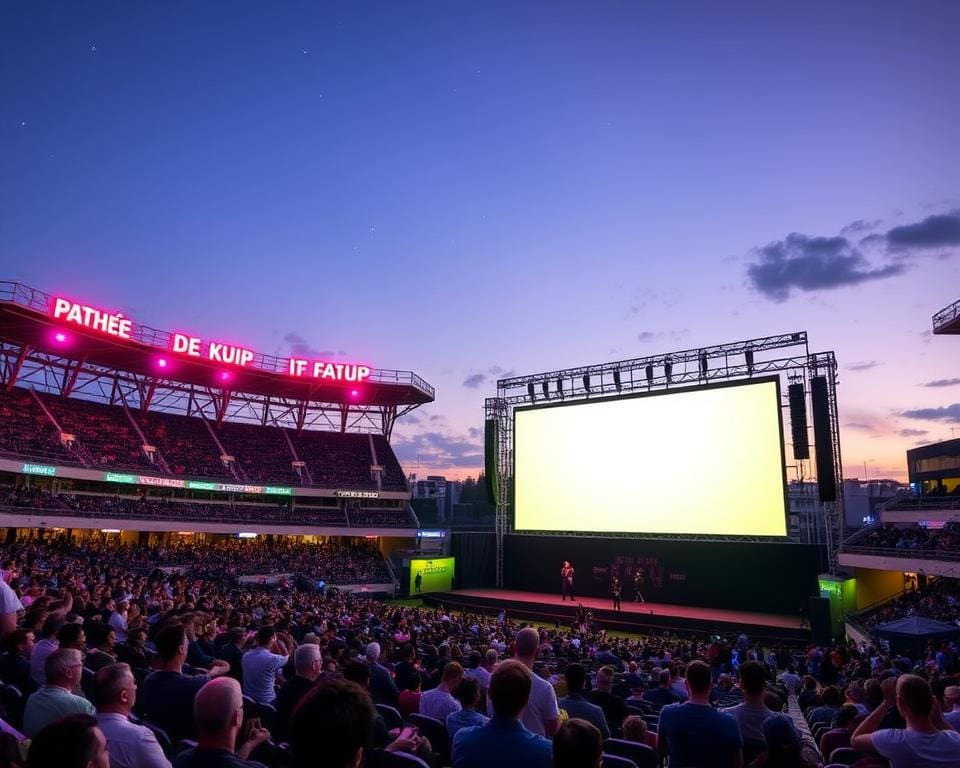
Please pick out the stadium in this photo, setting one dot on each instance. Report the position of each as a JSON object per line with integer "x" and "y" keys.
{"x": 177, "y": 505}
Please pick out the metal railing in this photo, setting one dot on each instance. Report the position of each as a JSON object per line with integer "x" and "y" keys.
{"x": 914, "y": 554}
{"x": 946, "y": 315}
{"x": 37, "y": 300}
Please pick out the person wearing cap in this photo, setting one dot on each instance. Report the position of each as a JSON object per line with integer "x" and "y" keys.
{"x": 928, "y": 740}
{"x": 951, "y": 700}
{"x": 785, "y": 747}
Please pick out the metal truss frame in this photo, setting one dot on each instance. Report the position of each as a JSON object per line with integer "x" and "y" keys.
{"x": 740, "y": 360}
{"x": 46, "y": 372}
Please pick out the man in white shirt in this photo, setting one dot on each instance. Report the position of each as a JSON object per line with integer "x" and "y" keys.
{"x": 542, "y": 715}
{"x": 118, "y": 620}
{"x": 928, "y": 740}
{"x": 114, "y": 694}
{"x": 261, "y": 666}
{"x": 791, "y": 681}
{"x": 439, "y": 702}
{"x": 9, "y": 605}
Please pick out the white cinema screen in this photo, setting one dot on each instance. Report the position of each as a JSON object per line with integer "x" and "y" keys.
{"x": 706, "y": 460}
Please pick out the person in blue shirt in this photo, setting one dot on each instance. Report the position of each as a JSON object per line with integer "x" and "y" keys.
{"x": 694, "y": 734}
{"x": 576, "y": 705}
{"x": 468, "y": 694}
{"x": 504, "y": 741}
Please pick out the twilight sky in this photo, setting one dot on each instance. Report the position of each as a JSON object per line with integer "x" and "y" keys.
{"x": 469, "y": 188}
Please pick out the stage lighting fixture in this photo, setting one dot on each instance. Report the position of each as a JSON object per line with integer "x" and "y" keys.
{"x": 748, "y": 355}
{"x": 650, "y": 375}
{"x": 586, "y": 384}
{"x": 60, "y": 337}
{"x": 616, "y": 379}
{"x": 161, "y": 362}
{"x": 560, "y": 387}
{"x": 531, "y": 392}
{"x": 703, "y": 365}
{"x": 667, "y": 370}
{"x": 224, "y": 376}
{"x": 545, "y": 386}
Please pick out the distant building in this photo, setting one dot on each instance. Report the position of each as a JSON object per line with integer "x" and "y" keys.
{"x": 445, "y": 492}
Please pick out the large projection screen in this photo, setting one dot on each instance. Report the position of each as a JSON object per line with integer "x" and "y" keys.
{"x": 705, "y": 460}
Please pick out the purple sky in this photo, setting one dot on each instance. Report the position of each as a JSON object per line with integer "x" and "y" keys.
{"x": 465, "y": 189}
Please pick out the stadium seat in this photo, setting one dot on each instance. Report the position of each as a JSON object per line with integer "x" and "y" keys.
{"x": 615, "y": 761}
{"x": 845, "y": 756}
{"x": 14, "y": 703}
{"x": 380, "y": 758}
{"x": 163, "y": 738}
{"x": 185, "y": 744}
{"x": 642, "y": 755}
{"x": 436, "y": 732}
{"x": 391, "y": 716}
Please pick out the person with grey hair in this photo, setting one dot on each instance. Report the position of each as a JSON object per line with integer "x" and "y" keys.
{"x": 541, "y": 715}
{"x": 307, "y": 663}
{"x": 218, "y": 714}
{"x": 63, "y": 670}
{"x": 114, "y": 692}
{"x": 383, "y": 689}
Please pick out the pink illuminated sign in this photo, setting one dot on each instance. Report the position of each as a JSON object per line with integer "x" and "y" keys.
{"x": 116, "y": 325}
{"x": 90, "y": 317}
{"x": 321, "y": 369}
{"x": 216, "y": 351}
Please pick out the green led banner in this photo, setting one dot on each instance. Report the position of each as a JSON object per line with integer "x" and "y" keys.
{"x": 431, "y": 574}
{"x": 39, "y": 469}
{"x": 116, "y": 477}
{"x": 199, "y": 485}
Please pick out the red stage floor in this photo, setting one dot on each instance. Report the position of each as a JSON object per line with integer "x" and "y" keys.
{"x": 639, "y": 610}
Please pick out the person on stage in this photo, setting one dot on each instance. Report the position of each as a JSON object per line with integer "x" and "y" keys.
{"x": 616, "y": 589}
{"x": 638, "y": 586}
{"x": 566, "y": 577}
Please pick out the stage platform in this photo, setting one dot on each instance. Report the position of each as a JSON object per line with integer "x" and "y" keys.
{"x": 634, "y": 617}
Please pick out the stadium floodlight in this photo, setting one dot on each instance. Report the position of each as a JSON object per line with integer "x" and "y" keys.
{"x": 60, "y": 337}
{"x": 162, "y": 362}
{"x": 224, "y": 376}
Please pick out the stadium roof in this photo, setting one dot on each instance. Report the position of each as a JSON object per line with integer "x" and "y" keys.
{"x": 947, "y": 320}
{"x": 73, "y": 330}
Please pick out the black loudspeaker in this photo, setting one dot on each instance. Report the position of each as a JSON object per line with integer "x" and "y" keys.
{"x": 491, "y": 438}
{"x": 649, "y": 373}
{"x": 531, "y": 391}
{"x": 616, "y": 380}
{"x": 560, "y": 387}
{"x": 586, "y": 383}
{"x": 545, "y": 386}
{"x": 704, "y": 365}
{"x": 798, "y": 421}
{"x": 822, "y": 439}
{"x": 821, "y": 625}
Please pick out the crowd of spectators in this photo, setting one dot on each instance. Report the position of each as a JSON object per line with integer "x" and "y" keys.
{"x": 945, "y": 539}
{"x": 146, "y": 507}
{"x": 106, "y": 436}
{"x": 936, "y": 599}
{"x": 180, "y": 651}
{"x": 25, "y": 430}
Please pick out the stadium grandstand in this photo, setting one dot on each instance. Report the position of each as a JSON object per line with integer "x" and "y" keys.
{"x": 234, "y": 532}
